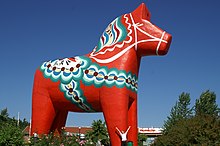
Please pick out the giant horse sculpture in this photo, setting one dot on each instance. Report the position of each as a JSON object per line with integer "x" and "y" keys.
{"x": 104, "y": 80}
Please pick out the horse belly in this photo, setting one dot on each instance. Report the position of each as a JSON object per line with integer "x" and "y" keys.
{"x": 91, "y": 94}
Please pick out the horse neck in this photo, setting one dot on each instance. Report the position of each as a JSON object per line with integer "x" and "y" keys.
{"x": 128, "y": 62}
{"x": 131, "y": 61}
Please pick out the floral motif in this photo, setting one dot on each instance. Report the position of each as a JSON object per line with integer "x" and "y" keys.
{"x": 70, "y": 71}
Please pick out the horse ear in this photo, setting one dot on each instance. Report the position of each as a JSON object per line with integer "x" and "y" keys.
{"x": 142, "y": 12}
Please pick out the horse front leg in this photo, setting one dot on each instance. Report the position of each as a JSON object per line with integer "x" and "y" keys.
{"x": 115, "y": 110}
{"x": 132, "y": 121}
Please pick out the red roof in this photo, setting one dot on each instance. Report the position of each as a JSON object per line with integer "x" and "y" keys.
{"x": 82, "y": 130}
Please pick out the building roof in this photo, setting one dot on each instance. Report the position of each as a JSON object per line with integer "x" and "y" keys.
{"x": 82, "y": 130}
{"x": 150, "y": 131}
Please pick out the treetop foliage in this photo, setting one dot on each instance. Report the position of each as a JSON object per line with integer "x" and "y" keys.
{"x": 199, "y": 125}
{"x": 206, "y": 104}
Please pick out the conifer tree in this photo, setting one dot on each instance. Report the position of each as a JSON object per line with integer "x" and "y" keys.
{"x": 206, "y": 104}
{"x": 200, "y": 128}
{"x": 179, "y": 111}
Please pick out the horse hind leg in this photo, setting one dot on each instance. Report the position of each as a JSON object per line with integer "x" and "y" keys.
{"x": 43, "y": 111}
{"x": 43, "y": 114}
{"x": 59, "y": 121}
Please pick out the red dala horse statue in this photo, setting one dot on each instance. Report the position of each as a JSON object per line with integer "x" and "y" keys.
{"x": 104, "y": 80}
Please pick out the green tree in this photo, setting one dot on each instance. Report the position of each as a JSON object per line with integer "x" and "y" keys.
{"x": 55, "y": 140}
{"x": 4, "y": 115}
{"x": 98, "y": 132}
{"x": 203, "y": 128}
{"x": 206, "y": 104}
{"x": 141, "y": 139}
{"x": 177, "y": 135}
{"x": 23, "y": 123}
{"x": 181, "y": 110}
{"x": 10, "y": 135}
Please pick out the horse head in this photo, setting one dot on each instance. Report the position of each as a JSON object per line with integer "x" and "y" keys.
{"x": 131, "y": 31}
{"x": 149, "y": 39}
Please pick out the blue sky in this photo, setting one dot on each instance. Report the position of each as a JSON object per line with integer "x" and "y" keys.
{"x": 35, "y": 31}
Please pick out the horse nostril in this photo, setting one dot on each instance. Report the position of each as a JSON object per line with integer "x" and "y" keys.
{"x": 164, "y": 48}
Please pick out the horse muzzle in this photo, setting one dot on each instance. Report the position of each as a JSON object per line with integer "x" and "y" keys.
{"x": 164, "y": 44}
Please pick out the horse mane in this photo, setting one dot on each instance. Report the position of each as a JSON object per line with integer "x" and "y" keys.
{"x": 122, "y": 35}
